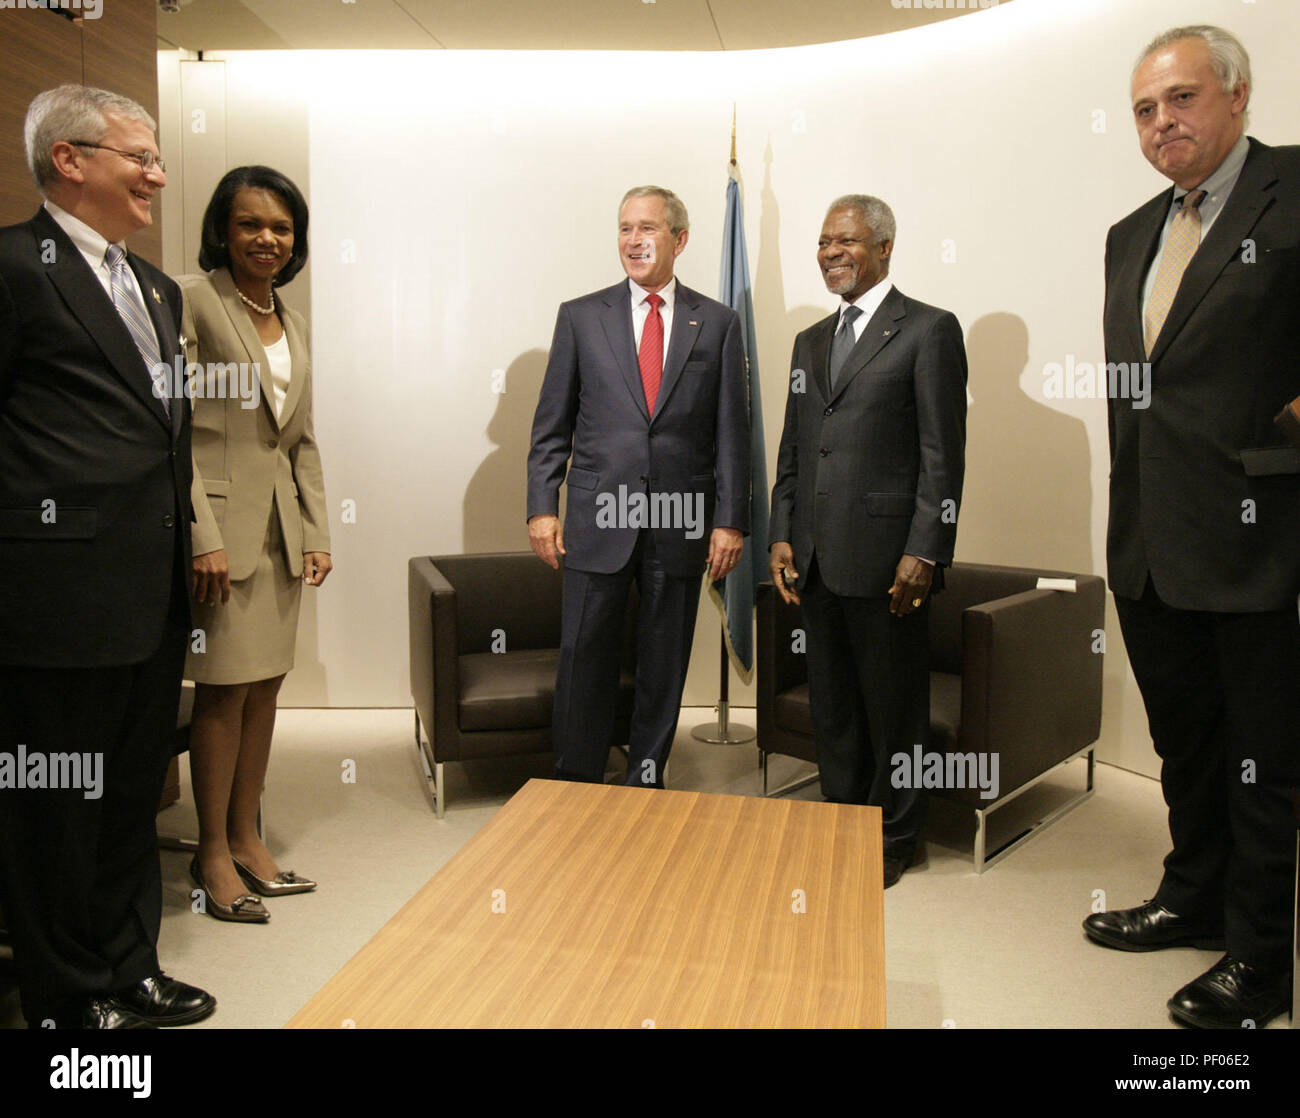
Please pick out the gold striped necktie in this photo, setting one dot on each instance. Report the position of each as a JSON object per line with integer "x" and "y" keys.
{"x": 1180, "y": 246}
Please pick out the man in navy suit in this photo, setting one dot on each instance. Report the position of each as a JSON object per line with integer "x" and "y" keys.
{"x": 864, "y": 513}
{"x": 94, "y": 568}
{"x": 1203, "y": 546}
{"x": 645, "y": 400}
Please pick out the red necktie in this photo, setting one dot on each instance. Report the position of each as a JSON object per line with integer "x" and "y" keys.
{"x": 651, "y": 357}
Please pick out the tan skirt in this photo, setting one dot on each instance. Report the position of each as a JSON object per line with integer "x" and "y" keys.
{"x": 252, "y": 636}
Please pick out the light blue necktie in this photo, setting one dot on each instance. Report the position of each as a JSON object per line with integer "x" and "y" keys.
{"x": 132, "y": 310}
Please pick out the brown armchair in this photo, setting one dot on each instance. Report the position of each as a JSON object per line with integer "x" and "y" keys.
{"x": 485, "y": 645}
{"x": 1013, "y": 673}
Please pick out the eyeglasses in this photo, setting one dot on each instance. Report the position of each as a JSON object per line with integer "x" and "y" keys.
{"x": 147, "y": 160}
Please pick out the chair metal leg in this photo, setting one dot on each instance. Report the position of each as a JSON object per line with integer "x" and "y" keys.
{"x": 982, "y": 860}
{"x": 432, "y": 772}
{"x": 792, "y": 786}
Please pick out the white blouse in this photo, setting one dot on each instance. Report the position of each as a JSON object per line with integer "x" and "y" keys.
{"x": 281, "y": 366}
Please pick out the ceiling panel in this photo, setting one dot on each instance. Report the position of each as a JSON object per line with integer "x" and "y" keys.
{"x": 534, "y": 24}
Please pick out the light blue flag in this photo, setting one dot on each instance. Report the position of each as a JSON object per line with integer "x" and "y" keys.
{"x": 736, "y": 601}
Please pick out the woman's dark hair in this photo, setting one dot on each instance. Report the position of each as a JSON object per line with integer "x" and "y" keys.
{"x": 216, "y": 218}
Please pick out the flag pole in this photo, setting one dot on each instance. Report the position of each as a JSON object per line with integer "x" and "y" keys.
{"x": 723, "y": 732}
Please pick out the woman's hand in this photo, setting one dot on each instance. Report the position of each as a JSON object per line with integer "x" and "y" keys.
{"x": 210, "y": 579}
{"x": 315, "y": 566}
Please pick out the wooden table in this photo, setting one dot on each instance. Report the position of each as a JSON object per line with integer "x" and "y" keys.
{"x": 584, "y": 905}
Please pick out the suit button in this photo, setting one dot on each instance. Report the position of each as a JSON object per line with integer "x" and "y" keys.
{"x": 644, "y": 480}
{"x": 823, "y": 452}
{"x": 652, "y": 434}
{"x": 828, "y": 411}
{"x": 169, "y": 521}
{"x": 271, "y": 444}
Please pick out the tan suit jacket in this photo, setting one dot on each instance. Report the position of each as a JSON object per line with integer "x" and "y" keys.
{"x": 245, "y": 458}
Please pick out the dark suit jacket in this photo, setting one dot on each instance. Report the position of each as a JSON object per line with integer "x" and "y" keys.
{"x": 1204, "y": 495}
{"x": 86, "y": 581}
{"x": 592, "y": 405}
{"x": 873, "y": 471}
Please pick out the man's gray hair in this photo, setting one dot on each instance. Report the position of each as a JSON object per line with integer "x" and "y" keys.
{"x": 71, "y": 112}
{"x": 874, "y": 212}
{"x": 1228, "y": 58}
{"x": 677, "y": 218}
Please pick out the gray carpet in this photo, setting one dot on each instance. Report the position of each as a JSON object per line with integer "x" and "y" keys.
{"x": 997, "y": 950}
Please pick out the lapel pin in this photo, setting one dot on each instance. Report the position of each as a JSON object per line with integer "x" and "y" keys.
{"x": 694, "y": 323}
{"x": 156, "y": 297}
{"x": 887, "y": 333}
{"x": 182, "y": 341}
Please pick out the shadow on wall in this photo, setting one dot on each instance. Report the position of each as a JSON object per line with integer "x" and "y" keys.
{"x": 1027, "y": 500}
{"x": 496, "y": 497}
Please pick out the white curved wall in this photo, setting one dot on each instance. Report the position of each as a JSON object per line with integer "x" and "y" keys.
{"x": 458, "y": 197}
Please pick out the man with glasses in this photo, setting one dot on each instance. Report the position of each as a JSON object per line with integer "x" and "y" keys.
{"x": 94, "y": 558}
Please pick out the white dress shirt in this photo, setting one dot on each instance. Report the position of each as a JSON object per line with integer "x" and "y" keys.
{"x": 868, "y": 303}
{"x": 94, "y": 248}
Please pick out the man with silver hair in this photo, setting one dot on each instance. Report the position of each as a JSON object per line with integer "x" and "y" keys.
{"x": 95, "y": 553}
{"x": 1203, "y": 545}
{"x": 864, "y": 514}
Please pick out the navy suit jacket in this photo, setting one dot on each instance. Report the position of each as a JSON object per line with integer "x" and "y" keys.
{"x": 592, "y": 410}
{"x": 1204, "y": 491}
{"x": 873, "y": 471}
{"x": 94, "y": 473}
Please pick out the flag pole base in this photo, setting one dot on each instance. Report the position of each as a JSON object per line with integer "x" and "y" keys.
{"x": 724, "y": 731}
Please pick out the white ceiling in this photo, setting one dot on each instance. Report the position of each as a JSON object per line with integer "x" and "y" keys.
{"x": 537, "y": 24}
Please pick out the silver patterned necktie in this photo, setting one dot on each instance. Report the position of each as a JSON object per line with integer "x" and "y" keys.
{"x": 135, "y": 316}
{"x": 844, "y": 341}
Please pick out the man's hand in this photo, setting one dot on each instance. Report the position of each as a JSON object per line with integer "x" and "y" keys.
{"x": 547, "y": 539}
{"x": 725, "y": 546}
{"x": 210, "y": 578}
{"x": 315, "y": 566}
{"x": 780, "y": 562}
{"x": 911, "y": 584}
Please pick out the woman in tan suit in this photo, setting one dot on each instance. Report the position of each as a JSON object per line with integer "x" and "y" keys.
{"x": 260, "y": 527}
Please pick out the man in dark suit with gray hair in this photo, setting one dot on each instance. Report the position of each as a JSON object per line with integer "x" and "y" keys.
{"x": 94, "y": 569}
{"x": 864, "y": 513}
{"x": 1203, "y": 547}
{"x": 644, "y": 416}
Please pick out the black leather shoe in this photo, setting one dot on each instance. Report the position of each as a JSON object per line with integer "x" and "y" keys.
{"x": 105, "y": 1013}
{"x": 894, "y": 868}
{"x": 1232, "y": 995}
{"x": 1149, "y": 927}
{"x": 164, "y": 1001}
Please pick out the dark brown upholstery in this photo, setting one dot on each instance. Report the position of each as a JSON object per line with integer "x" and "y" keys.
{"x": 1013, "y": 671}
{"x": 485, "y": 636}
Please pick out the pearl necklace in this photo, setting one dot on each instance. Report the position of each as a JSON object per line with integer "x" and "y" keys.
{"x": 260, "y": 310}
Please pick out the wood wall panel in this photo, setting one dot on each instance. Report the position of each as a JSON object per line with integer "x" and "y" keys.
{"x": 121, "y": 53}
{"x": 41, "y": 49}
{"x": 38, "y": 49}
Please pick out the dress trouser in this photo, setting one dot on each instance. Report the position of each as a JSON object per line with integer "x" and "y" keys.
{"x": 869, "y": 689}
{"x": 1222, "y": 695}
{"x": 79, "y": 874}
{"x": 591, "y": 654}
